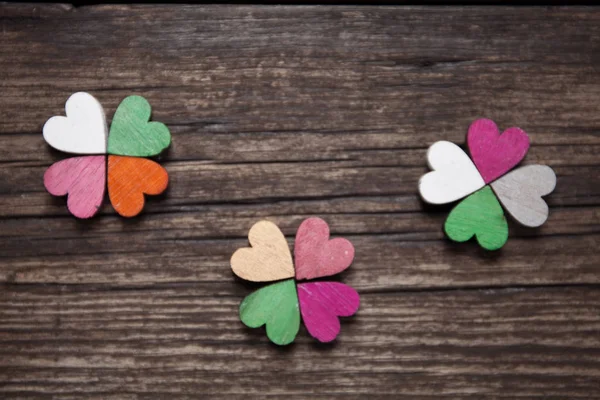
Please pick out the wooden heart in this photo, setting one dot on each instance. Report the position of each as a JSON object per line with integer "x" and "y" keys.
{"x": 521, "y": 191}
{"x": 131, "y": 133}
{"x": 129, "y": 178}
{"x": 275, "y": 306}
{"x": 478, "y": 215}
{"x": 317, "y": 256}
{"x": 83, "y": 179}
{"x": 453, "y": 174}
{"x": 321, "y": 303}
{"x": 493, "y": 153}
{"x": 82, "y": 131}
{"x": 268, "y": 259}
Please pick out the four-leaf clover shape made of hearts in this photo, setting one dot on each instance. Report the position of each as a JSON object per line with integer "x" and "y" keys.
{"x": 114, "y": 160}
{"x": 280, "y": 305}
{"x": 483, "y": 181}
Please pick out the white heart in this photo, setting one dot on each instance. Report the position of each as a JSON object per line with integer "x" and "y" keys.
{"x": 453, "y": 174}
{"x": 521, "y": 191}
{"x": 83, "y": 130}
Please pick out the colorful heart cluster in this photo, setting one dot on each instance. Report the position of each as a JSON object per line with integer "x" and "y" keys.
{"x": 279, "y": 305}
{"x": 485, "y": 180}
{"x": 84, "y": 131}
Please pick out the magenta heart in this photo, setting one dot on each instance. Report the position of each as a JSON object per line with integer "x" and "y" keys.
{"x": 316, "y": 255}
{"x": 495, "y": 154}
{"x": 321, "y": 303}
{"x": 83, "y": 179}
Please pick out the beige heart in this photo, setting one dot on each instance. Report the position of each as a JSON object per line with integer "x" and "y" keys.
{"x": 269, "y": 258}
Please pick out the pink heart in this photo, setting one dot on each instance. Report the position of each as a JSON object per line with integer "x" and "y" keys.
{"x": 83, "y": 179}
{"x": 321, "y": 303}
{"x": 316, "y": 255}
{"x": 493, "y": 153}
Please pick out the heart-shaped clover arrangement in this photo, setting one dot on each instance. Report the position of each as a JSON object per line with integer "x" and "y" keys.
{"x": 484, "y": 181}
{"x": 84, "y": 131}
{"x": 280, "y": 305}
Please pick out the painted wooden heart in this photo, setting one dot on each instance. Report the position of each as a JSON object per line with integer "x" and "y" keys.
{"x": 520, "y": 192}
{"x": 131, "y": 133}
{"x": 316, "y": 255}
{"x": 129, "y": 179}
{"x": 275, "y": 306}
{"x": 82, "y": 179}
{"x": 478, "y": 215}
{"x": 453, "y": 174}
{"x": 82, "y": 131}
{"x": 269, "y": 258}
{"x": 493, "y": 153}
{"x": 321, "y": 303}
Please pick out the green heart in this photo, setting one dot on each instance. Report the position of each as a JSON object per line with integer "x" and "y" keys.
{"x": 481, "y": 215}
{"x": 132, "y": 135}
{"x": 276, "y": 306}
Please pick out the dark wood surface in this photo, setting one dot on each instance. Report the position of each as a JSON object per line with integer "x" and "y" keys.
{"x": 284, "y": 113}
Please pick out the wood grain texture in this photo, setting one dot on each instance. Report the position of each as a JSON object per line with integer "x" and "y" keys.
{"x": 285, "y": 113}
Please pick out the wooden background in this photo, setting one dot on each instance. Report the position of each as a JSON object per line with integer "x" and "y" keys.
{"x": 284, "y": 113}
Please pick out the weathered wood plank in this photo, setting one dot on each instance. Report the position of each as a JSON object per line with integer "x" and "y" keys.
{"x": 196, "y": 246}
{"x": 285, "y": 112}
{"x": 185, "y": 341}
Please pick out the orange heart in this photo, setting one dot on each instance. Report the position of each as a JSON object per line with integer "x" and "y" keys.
{"x": 129, "y": 178}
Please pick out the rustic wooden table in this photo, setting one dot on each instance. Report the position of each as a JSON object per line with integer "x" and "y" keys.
{"x": 283, "y": 113}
